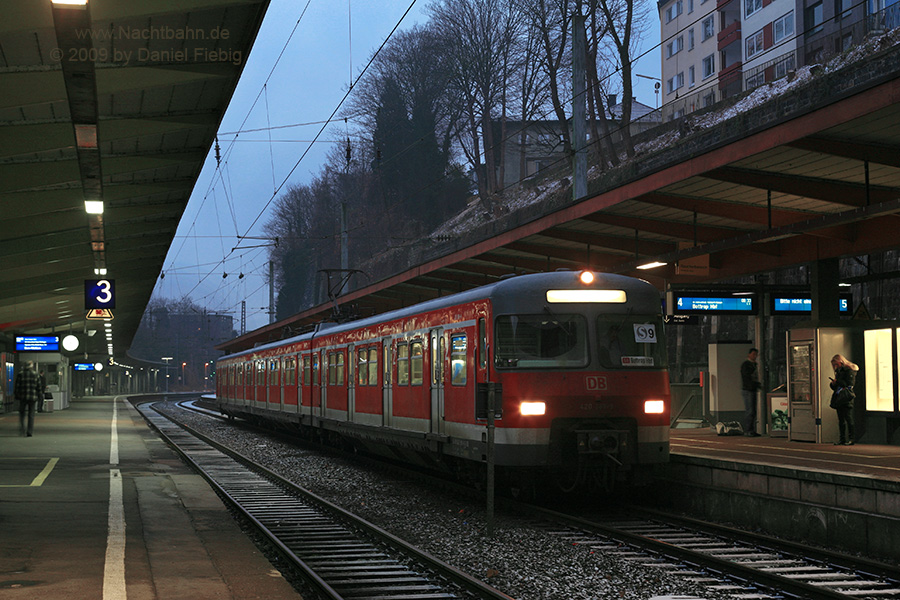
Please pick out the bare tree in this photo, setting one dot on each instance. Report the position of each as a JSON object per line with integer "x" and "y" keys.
{"x": 626, "y": 23}
{"x": 480, "y": 37}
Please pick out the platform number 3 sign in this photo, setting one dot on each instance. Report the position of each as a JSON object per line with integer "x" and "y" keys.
{"x": 99, "y": 293}
{"x": 645, "y": 333}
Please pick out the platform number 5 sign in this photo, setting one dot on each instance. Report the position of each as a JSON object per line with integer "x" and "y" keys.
{"x": 99, "y": 293}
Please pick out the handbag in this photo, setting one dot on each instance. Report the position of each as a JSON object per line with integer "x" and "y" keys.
{"x": 842, "y": 397}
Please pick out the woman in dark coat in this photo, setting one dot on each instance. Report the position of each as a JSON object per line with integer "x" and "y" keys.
{"x": 844, "y": 377}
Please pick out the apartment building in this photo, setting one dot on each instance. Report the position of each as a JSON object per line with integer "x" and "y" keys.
{"x": 690, "y": 61}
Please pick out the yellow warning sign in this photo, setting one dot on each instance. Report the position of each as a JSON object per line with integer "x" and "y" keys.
{"x": 100, "y": 314}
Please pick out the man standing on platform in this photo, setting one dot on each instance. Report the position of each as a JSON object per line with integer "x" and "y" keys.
{"x": 28, "y": 392}
{"x": 749, "y": 386}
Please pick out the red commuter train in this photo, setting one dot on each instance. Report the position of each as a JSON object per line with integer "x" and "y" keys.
{"x": 577, "y": 362}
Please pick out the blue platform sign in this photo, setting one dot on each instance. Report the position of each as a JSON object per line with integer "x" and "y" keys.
{"x": 84, "y": 366}
{"x": 99, "y": 293}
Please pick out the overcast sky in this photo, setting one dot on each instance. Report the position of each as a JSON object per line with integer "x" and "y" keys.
{"x": 319, "y": 52}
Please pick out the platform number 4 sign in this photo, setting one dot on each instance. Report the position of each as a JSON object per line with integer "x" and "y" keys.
{"x": 645, "y": 333}
{"x": 99, "y": 293}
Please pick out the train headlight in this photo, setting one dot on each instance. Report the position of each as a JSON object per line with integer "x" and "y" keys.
{"x": 530, "y": 409}
{"x": 587, "y": 277}
{"x": 654, "y": 407}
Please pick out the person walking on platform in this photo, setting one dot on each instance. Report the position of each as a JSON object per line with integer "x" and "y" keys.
{"x": 842, "y": 399}
{"x": 28, "y": 392}
{"x": 749, "y": 386}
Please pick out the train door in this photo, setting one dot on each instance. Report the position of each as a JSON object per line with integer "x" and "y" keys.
{"x": 317, "y": 403}
{"x": 261, "y": 398}
{"x": 305, "y": 385}
{"x": 387, "y": 368}
{"x": 351, "y": 380}
{"x": 274, "y": 385}
{"x": 438, "y": 350}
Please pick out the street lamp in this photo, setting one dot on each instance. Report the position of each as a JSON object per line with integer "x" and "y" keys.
{"x": 167, "y": 359}
{"x": 183, "y": 382}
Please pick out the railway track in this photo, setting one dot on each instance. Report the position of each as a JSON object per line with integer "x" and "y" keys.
{"x": 340, "y": 555}
{"x": 740, "y": 564}
{"x": 725, "y": 561}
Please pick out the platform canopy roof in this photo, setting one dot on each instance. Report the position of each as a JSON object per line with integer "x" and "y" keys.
{"x": 116, "y": 101}
{"x": 792, "y": 173}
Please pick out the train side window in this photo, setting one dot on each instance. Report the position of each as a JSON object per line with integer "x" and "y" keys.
{"x": 273, "y": 371}
{"x": 290, "y": 371}
{"x": 340, "y": 368}
{"x": 387, "y": 364}
{"x": 315, "y": 369}
{"x": 482, "y": 343}
{"x": 458, "y": 373}
{"x": 260, "y": 372}
{"x": 362, "y": 366}
{"x": 416, "y": 363}
{"x": 240, "y": 374}
{"x": 402, "y": 364}
{"x": 307, "y": 370}
{"x": 373, "y": 365}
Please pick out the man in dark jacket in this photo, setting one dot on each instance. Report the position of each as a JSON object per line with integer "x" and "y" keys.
{"x": 749, "y": 385}
{"x": 28, "y": 392}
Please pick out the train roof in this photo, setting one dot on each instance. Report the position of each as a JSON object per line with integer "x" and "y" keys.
{"x": 517, "y": 290}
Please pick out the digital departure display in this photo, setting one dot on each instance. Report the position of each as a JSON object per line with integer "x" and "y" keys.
{"x": 37, "y": 343}
{"x": 802, "y": 303}
{"x": 84, "y": 366}
{"x": 715, "y": 304}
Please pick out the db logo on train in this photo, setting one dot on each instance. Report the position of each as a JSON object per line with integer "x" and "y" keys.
{"x": 595, "y": 383}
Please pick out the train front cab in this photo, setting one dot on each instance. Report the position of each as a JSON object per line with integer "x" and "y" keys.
{"x": 584, "y": 384}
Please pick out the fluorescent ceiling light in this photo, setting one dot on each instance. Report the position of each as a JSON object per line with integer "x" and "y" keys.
{"x": 652, "y": 265}
{"x": 93, "y": 207}
{"x": 69, "y": 2}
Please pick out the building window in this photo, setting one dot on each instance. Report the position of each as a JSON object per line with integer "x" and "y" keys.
{"x": 673, "y": 11}
{"x": 690, "y": 6}
{"x": 675, "y": 83}
{"x": 783, "y": 66}
{"x": 784, "y": 27}
{"x": 814, "y": 18}
{"x": 751, "y": 6}
{"x": 755, "y": 44}
{"x": 691, "y": 78}
{"x": 691, "y": 39}
{"x": 709, "y": 27}
{"x": 709, "y": 66}
{"x": 842, "y": 8}
{"x": 674, "y": 47}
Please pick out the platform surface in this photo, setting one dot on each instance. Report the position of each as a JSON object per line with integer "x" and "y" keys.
{"x": 96, "y": 506}
{"x": 860, "y": 460}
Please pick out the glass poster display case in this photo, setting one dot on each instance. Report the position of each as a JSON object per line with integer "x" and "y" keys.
{"x": 801, "y": 391}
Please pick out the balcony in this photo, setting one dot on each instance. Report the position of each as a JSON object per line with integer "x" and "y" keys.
{"x": 722, "y": 3}
{"x": 729, "y": 35}
{"x": 731, "y": 74}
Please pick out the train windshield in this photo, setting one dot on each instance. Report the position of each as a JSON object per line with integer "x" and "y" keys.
{"x": 631, "y": 342}
{"x": 541, "y": 341}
